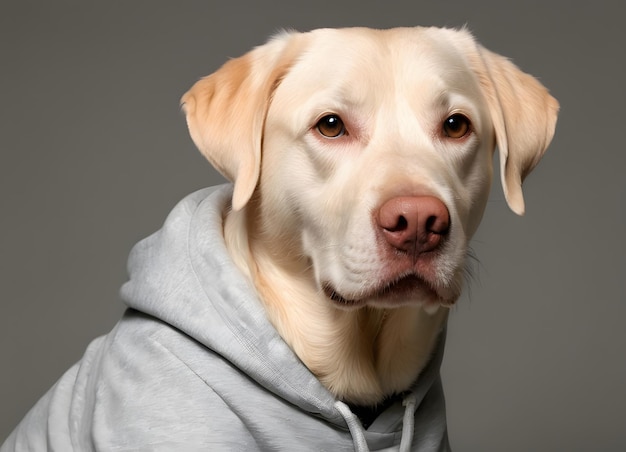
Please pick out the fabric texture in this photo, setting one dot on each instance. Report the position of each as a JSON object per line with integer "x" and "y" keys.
{"x": 194, "y": 364}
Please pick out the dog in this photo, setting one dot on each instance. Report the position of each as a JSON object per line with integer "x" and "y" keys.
{"x": 360, "y": 163}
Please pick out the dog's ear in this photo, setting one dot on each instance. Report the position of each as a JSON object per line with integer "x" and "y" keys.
{"x": 524, "y": 117}
{"x": 226, "y": 111}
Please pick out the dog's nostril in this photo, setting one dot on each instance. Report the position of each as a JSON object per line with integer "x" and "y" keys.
{"x": 430, "y": 224}
{"x": 401, "y": 224}
{"x": 435, "y": 225}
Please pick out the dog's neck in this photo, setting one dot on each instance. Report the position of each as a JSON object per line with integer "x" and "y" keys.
{"x": 362, "y": 356}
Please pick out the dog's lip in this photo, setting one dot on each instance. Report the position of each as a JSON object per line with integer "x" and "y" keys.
{"x": 403, "y": 289}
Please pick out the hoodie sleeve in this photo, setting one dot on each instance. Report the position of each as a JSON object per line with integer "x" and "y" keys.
{"x": 128, "y": 394}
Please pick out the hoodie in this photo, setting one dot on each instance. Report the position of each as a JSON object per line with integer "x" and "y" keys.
{"x": 194, "y": 364}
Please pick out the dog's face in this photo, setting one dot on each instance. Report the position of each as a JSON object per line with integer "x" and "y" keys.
{"x": 381, "y": 124}
{"x": 369, "y": 152}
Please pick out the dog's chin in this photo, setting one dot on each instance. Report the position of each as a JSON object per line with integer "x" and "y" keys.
{"x": 405, "y": 291}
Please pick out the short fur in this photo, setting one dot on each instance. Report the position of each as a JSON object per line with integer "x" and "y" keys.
{"x": 304, "y": 206}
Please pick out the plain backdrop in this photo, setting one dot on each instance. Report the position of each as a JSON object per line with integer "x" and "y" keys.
{"x": 94, "y": 153}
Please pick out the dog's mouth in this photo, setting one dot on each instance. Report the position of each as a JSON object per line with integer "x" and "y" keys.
{"x": 407, "y": 289}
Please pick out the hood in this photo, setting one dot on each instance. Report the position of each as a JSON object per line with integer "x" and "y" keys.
{"x": 183, "y": 275}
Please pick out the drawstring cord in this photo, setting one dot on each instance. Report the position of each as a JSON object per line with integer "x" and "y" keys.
{"x": 408, "y": 422}
{"x": 354, "y": 424}
{"x": 358, "y": 434}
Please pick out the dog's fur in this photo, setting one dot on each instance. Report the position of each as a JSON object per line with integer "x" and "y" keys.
{"x": 304, "y": 226}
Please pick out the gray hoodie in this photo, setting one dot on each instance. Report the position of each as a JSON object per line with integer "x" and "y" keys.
{"x": 194, "y": 364}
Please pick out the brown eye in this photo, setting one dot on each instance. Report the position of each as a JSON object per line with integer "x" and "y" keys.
{"x": 331, "y": 126}
{"x": 456, "y": 126}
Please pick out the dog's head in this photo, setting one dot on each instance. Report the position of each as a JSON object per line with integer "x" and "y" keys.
{"x": 370, "y": 152}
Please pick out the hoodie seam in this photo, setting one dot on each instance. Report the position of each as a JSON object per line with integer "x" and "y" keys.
{"x": 206, "y": 383}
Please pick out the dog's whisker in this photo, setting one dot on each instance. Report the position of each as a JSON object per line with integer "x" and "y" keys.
{"x": 471, "y": 271}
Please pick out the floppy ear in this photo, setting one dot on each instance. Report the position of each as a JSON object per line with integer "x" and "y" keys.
{"x": 524, "y": 117}
{"x": 226, "y": 112}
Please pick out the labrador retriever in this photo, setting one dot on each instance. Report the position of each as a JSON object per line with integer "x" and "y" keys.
{"x": 362, "y": 161}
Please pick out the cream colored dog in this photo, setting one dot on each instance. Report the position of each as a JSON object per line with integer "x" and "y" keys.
{"x": 362, "y": 162}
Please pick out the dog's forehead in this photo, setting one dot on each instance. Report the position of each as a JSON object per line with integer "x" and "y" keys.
{"x": 365, "y": 65}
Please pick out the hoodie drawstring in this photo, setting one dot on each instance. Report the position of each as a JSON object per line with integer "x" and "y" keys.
{"x": 355, "y": 426}
{"x": 408, "y": 422}
{"x": 358, "y": 433}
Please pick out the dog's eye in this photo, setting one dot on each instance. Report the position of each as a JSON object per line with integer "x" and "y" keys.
{"x": 456, "y": 126}
{"x": 331, "y": 126}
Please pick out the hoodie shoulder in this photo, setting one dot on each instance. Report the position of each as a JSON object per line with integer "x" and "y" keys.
{"x": 150, "y": 391}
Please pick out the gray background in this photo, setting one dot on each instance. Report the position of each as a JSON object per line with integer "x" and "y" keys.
{"x": 94, "y": 153}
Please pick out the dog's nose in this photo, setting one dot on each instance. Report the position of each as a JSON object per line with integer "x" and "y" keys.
{"x": 416, "y": 224}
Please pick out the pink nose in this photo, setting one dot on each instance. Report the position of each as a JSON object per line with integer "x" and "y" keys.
{"x": 416, "y": 224}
